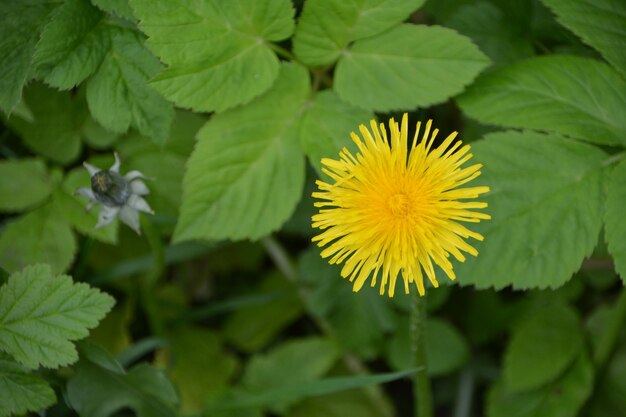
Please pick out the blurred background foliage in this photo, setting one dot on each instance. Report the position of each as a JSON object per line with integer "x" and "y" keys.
{"x": 223, "y": 307}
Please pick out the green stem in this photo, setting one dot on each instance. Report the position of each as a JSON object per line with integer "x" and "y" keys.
{"x": 608, "y": 339}
{"x": 283, "y": 52}
{"x": 281, "y": 259}
{"x": 422, "y": 395}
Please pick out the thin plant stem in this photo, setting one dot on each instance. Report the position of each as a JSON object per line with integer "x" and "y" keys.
{"x": 422, "y": 394}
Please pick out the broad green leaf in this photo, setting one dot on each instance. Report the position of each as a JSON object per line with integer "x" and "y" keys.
{"x": 100, "y": 388}
{"x": 546, "y": 204}
{"x": 600, "y": 23}
{"x": 579, "y": 97}
{"x": 251, "y": 328}
{"x": 542, "y": 346}
{"x": 294, "y": 362}
{"x": 21, "y": 391}
{"x": 118, "y": 94}
{"x": 561, "y": 398}
{"x": 199, "y": 366}
{"x": 406, "y": 67}
{"x": 55, "y": 131}
{"x": 23, "y": 183}
{"x": 326, "y": 125}
{"x": 250, "y": 187}
{"x": 74, "y": 208}
{"x": 326, "y": 27}
{"x": 20, "y": 25}
{"x": 446, "y": 349}
{"x": 306, "y": 389}
{"x": 494, "y": 31}
{"x": 362, "y": 321}
{"x": 40, "y": 236}
{"x": 217, "y": 52}
{"x": 615, "y": 222}
{"x": 119, "y": 8}
{"x": 41, "y": 314}
{"x": 72, "y": 45}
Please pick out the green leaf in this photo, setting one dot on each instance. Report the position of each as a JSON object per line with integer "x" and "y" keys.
{"x": 446, "y": 349}
{"x": 542, "y": 346}
{"x": 600, "y": 23}
{"x": 217, "y": 52}
{"x": 294, "y": 362}
{"x": 20, "y": 26}
{"x": 118, "y": 94}
{"x": 546, "y": 204}
{"x": 307, "y": 389}
{"x": 579, "y": 97}
{"x": 72, "y": 45}
{"x": 100, "y": 387}
{"x": 494, "y": 31}
{"x": 200, "y": 366}
{"x": 24, "y": 183}
{"x": 562, "y": 398}
{"x": 615, "y": 222}
{"x": 250, "y": 187}
{"x": 406, "y": 67}
{"x": 55, "y": 131}
{"x": 120, "y": 8}
{"x": 74, "y": 208}
{"x": 609, "y": 398}
{"x": 40, "y": 314}
{"x": 21, "y": 391}
{"x": 326, "y": 27}
{"x": 363, "y": 320}
{"x": 326, "y": 125}
{"x": 40, "y": 236}
{"x": 251, "y": 328}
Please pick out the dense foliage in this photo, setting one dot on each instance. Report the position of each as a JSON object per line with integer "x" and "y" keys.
{"x": 223, "y": 306}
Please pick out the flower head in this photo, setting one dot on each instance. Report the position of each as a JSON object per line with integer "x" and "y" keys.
{"x": 393, "y": 211}
{"x": 118, "y": 194}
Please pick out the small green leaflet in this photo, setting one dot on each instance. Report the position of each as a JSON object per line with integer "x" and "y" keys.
{"x": 118, "y": 94}
{"x": 23, "y": 183}
{"x": 325, "y": 127}
{"x": 245, "y": 176}
{"x": 615, "y": 222}
{"x": 101, "y": 387}
{"x": 406, "y": 67}
{"x": 20, "y": 25}
{"x": 579, "y": 97}
{"x": 55, "y": 130}
{"x": 600, "y": 23}
{"x": 326, "y": 27}
{"x": 543, "y": 345}
{"x": 72, "y": 45}
{"x": 294, "y": 362}
{"x": 217, "y": 52}
{"x": 561, "y": 398}
{"x": 40, "y": 314}
{"x": 39, "y": 236}
{"x": 546, "y": 204}
{"x": 21, "y": 391}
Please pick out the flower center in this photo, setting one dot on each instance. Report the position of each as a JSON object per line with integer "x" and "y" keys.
{"x": 110, "y": 188}
{"x": 399, "y": 205}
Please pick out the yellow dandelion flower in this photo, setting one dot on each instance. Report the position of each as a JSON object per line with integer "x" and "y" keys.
{"x": 391, "y": 210}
